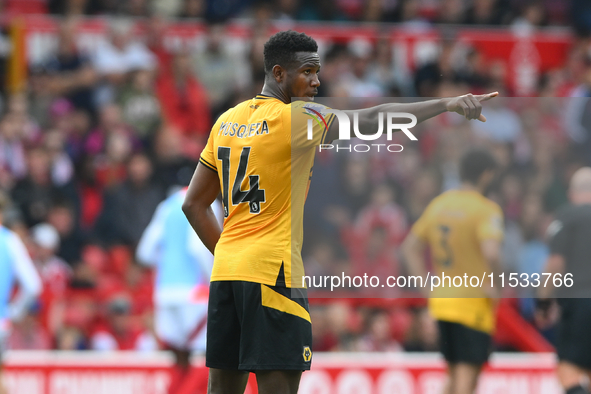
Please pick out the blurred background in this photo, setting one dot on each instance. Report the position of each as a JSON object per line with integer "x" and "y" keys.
{"x": 105, "y": 106}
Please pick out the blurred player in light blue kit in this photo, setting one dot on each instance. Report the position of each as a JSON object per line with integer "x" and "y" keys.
{"x": 183, "y": 269}
{"x": 16, "y": 267}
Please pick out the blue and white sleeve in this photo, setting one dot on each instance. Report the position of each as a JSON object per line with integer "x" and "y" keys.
{"x": 30, "y": 284}
{"x": 149, "y": 245}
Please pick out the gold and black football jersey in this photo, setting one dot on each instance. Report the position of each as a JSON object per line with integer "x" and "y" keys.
{"x": 263, "y": 151}
{"x": 454, "y": 225}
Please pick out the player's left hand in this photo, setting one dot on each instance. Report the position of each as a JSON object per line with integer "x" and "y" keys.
{"x": 469, "y": 105}
{"x": 546, "y": 313}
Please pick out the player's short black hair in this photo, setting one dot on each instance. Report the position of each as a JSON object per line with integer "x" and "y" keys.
{"x": 281, "y": 48}
{"x": 475, "y": 163}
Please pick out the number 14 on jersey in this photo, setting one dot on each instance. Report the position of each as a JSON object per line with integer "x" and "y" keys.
{"x": 253, "y": 196}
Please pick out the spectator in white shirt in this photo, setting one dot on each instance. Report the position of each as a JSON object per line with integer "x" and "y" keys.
{"x": 116, "y": 57}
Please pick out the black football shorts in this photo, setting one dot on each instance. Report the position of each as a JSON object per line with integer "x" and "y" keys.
{"x": 574, "y": 331}
{"x": 461, "y": 344}
{"x": 251, "y": 326}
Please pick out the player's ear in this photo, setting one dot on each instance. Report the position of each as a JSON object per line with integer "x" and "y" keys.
{"x": 278, "y": 73}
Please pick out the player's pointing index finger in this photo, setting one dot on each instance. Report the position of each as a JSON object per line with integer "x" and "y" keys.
{"x": 488, "y": 96}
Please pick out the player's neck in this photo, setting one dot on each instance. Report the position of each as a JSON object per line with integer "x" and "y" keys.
{"x": 273, "y": 90}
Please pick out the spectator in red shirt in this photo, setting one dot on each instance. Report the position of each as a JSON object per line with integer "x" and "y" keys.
{"x": 29, "y": 334}
{"x": 378, "y": 335}
{"x": 55, "y": 274}
{"x": 372, "y": 240}
{"x": 184, "y": 101}
{"x": 119, "y": 332}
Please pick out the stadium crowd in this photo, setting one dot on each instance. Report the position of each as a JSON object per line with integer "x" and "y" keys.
{"x": 98, "y": 139}
{"x": 415, "y": 13}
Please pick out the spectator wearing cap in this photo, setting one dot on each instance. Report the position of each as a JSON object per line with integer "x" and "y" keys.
{"x": 55, "y": 274}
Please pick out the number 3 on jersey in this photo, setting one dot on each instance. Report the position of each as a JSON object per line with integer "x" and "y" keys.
{"x": 253, "y": 196}
{"x": 447, "y": 260}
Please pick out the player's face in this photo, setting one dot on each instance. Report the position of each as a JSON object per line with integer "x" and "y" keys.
{"x": 302, "y": 80}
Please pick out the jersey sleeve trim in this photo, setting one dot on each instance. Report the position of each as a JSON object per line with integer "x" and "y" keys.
{"x": 206, "y": 164}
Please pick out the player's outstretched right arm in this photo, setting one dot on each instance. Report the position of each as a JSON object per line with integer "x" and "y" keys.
{"x": 468, "y": 105}
{"x": 203, "y": 190}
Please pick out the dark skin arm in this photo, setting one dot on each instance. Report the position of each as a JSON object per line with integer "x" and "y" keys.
{"x": 554, "y": 265}
{"x": 545, "y": 305}
{"x": 468, "y": 106}
{"x": 301, "y": 80}
{"x": 203, "y": 190}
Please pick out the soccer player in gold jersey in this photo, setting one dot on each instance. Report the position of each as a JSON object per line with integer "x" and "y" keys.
{"x": 258, "y": 317}
{"x": 463, "y": 230}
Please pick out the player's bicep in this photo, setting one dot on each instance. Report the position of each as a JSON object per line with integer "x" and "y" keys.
{"x": 202, "y": 191}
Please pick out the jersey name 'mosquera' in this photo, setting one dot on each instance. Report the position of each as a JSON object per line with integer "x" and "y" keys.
{"x": 234, "y": 129}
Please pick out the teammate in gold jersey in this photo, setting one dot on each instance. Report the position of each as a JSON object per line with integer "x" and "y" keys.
{"x": 258, "y": 317}
{"x": 464, "y": 231}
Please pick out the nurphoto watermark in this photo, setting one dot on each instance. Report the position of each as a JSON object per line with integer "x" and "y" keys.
{"x": 344, "y": 124}
{"x": 325, "y": 120}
